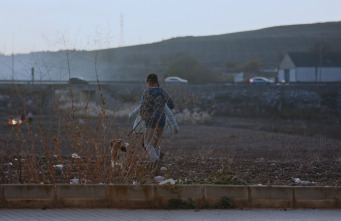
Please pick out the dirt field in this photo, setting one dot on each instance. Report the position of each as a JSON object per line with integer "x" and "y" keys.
{"x": 224, "y": 150}
{"x": 253, "y": 151}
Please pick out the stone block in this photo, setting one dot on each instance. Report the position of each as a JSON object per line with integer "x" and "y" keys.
{"x": 178, "y": 196}
{"x": 1, "y": 196}
{"x": 81, "y": 196}
{"x": 238, "y": 194}
{"x": 271, "y": 197}
{"x": 131, "y": 196}
{"x": 315, "y": 197}
{"x": 28, "y": 196}
{"x": 338, "y": 197}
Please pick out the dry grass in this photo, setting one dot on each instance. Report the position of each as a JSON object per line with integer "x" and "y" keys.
{"x": 69, "y": 142}
{"x": 71, "y": 122}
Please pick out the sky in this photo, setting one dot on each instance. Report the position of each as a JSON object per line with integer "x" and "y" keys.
{"x": 51, "y": 25}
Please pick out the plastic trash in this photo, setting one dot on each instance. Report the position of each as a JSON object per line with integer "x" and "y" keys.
{"x": 159, "y": 179}
{"x": 75, "y": 156}
{"x": 168, "y": 181}
{"x": 58, "y": 166}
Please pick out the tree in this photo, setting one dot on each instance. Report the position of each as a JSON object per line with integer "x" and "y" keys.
{"x": 189, "y": 68}
{"x": 321, "y": 47}
{"x": 248, "y": 66}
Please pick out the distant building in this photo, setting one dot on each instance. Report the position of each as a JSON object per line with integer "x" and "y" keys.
{"x": 233, "y": 77}
{"x": 310, "y": 67}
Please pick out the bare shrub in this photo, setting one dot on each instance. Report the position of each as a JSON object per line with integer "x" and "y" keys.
{"x": 195, "y": 116}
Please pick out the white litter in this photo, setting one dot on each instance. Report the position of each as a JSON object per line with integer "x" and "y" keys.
{"x": 59, "y": 166}
{"x": 159, "y": 179}
{"x": 83, "y": 181}
{"x": 163, "y": 169}
{"x": 169, "y": 181}
{"x": 299, "y": 181}
{"x": 74, "y": 181}
{"x": 113, "y": 164}
{"x": 11, "y": 164}
{"x": 75, "y": 156}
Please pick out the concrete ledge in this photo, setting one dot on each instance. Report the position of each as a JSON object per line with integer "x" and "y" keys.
{"x": 156, "y": 196}
{"x": 185, "y": 193}
{"x": 338, "y": 197}
{"x": 316, "y": 197}
{"x": 271, "y": 197}
{"x": 28, "y": 196}
{"x": 2, "y": 196}
{"x": 131, "y": 196}
{"x": 81, "y": 196}
{"x": 239, "y": 194}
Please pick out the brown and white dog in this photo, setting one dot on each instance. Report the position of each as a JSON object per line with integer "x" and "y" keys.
{"x": 118, "y": 149}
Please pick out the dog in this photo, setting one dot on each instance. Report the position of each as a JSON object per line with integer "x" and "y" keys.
{"x": 118, "y": 148}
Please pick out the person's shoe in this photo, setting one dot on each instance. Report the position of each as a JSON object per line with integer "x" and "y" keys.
{"x": 162, "y": 154}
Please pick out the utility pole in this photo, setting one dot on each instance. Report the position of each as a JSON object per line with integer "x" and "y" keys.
{"x": 320, "y": 58}
{"x": 12, "y": 58}
{"x": 122, "y": 32}
{"x": 32, "y": 71}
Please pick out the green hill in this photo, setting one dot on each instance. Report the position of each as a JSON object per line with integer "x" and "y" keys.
{"x": 265, "y": 46}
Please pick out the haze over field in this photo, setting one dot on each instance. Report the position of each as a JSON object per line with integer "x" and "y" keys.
{"x": 202, "y": 56}
{"x": 31, "y": 26}
{"x": 133, "y": 37}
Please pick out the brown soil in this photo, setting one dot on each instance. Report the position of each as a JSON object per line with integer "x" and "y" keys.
{"x": 253, "y": 151}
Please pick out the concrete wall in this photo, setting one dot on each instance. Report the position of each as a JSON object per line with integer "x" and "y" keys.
{"x": 306, "y": 74}
{"x": 265, "y": 100}
{"x": 217, "y": 99}
{"x": 156, "y": 196}
{"x": 331, "y": 75}
{"x": 312, "y": 74}
{"x": 241, "y": 98}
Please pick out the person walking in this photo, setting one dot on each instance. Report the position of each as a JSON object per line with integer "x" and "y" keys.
{"x": 139, "y": 125}
{"x": 152, "y": 107}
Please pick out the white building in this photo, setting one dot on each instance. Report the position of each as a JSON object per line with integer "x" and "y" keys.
{"x": 310, "y": 67}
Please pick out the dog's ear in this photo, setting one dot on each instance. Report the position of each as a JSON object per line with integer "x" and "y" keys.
{"x": 112, "y": 142}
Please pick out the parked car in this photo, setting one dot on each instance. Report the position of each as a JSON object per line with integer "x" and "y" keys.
{"x": 259, "y": 80}
{"x": 175, "y": 80}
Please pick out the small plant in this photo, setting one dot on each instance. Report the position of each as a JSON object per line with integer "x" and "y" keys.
{"x": 195, "y": 116}
{"x": 223, "y": 178}
{"x": 181, "y": 204}
{"x": 225, "y": 203}
{"x": 226, "y": 178}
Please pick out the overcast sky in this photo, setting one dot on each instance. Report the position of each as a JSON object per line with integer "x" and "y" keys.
{"x": 50, "y": 25}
